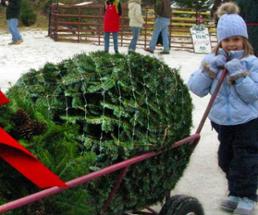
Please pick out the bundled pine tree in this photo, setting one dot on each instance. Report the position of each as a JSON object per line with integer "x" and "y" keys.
{"x": 94, "y": 110}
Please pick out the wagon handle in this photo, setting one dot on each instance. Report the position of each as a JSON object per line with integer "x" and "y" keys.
{"x": 121, "y": 165}
{"x": 212, "y": 99}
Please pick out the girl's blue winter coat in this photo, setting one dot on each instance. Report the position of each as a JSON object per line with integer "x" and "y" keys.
{"x": 235, "y": 103}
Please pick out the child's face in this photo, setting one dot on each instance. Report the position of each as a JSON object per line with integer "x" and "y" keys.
{"x": 233, "y": 43}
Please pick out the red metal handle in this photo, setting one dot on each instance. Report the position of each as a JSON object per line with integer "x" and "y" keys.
{"x": 89, "y": 177}
{"x": 212, "y": 99}
{"x": 115, "y": 167}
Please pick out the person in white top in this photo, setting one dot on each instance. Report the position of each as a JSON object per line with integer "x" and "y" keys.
{"x": 136, "y": 22}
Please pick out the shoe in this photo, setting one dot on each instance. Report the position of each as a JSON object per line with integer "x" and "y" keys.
{"x": 230, "y": 204}
{"x": 164, "y": 52}
{"x": 149, "y": 50}
{"x": 17, "y": 42}
{"x": 245, "y": 207}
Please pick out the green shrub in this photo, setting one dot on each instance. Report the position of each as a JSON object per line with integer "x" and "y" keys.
{"x": 92, "y": 111}
{"x": 28, "y": 15}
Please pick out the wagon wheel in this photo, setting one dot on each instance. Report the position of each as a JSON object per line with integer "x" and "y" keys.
{"x": 182, "y": 205}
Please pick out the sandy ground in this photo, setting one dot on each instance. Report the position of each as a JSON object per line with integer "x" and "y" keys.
{"x": 202, "y": 178}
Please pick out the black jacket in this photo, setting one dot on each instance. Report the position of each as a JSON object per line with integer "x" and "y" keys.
{"x": 162, "y": 8}
{"x": 13, "y": 9}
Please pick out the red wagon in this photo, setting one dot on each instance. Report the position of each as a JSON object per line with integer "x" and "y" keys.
{"x": 175, "y": 205}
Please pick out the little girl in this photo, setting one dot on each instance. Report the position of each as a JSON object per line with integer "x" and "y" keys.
{"x": 234, "y": 114}
{"x": 113, "y": 11}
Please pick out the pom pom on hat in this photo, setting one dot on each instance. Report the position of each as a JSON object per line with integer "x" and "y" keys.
{"x": 230, "y": 23}
{"x": 227, "y": 8}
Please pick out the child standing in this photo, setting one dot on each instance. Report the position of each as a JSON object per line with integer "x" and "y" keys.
{"x": 113, "y": 11}
{"x": 135, "y": 22}
{"x": 234, "y": 114}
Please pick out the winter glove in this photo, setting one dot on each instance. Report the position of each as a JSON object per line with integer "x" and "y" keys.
{"x": 236, "y": 70}
{"x": 212, "y": 64}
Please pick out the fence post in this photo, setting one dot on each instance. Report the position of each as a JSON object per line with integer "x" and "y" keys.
{"x": 79, "y": 24}
{"x": 55, "y": 22}
{"x": 122, "y": 30}
{"x": 98, "y": 29}
{"x": 49, "y": 18}
{"x": 170, "y": 31}
{"x": 145, "y": 27}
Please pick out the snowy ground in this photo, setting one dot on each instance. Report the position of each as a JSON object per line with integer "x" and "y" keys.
{"x": 202, "y": 178}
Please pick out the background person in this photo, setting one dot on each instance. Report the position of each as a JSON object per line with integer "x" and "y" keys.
{"x": 135, "y": 22}
{"x": 113, "y": 11}
{"x": 13, "y": 8}
{"x": 163, "y": 13}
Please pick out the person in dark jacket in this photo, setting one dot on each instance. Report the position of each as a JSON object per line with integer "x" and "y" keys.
{"x": 113, "y": 11}
{"x": 13, "y": 8}
{"x": 248, "y": 10}
{"x": 163, "y": 13}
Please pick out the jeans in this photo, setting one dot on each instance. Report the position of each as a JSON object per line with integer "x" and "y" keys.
{"x": 13, "y": 28}
{"x": 106, "y": 41}
{"x": 136, "y": 33}
{"x": 161, "y": 25}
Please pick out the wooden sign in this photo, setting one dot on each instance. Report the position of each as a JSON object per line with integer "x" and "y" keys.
{"x": 201, "y": 39}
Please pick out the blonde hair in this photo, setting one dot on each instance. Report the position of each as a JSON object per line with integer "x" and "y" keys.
{"x": 248, "y": 49}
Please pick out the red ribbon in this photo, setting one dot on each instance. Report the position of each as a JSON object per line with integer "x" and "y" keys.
{"x": 3, "y": 99}
{"x": 24, "y": 161}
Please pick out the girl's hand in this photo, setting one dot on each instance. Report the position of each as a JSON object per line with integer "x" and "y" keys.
{"x": 212, "y": 64}
{"x": 234, "y": 66}
{"x": 236, "y": 70}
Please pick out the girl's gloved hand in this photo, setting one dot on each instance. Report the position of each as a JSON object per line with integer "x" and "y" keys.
{"x": 212, "y": 64}
{"x": 236, "y": 70}
{"x": 234, "y": 66}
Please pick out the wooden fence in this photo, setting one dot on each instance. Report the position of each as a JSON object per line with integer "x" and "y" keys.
{"x": 84, "y": 23}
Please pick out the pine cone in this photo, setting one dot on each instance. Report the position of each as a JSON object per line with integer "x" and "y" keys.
{"x": 25, "y": 127}
{"x": 25, "y": 131}
{"x": 38, "y": 127}
{"x": 20, "y": 117}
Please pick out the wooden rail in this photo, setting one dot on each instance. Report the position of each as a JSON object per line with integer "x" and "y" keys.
{"x": 85, "y": 24}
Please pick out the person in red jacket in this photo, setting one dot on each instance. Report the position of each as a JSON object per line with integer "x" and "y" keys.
{"x": 113, "y": 11}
